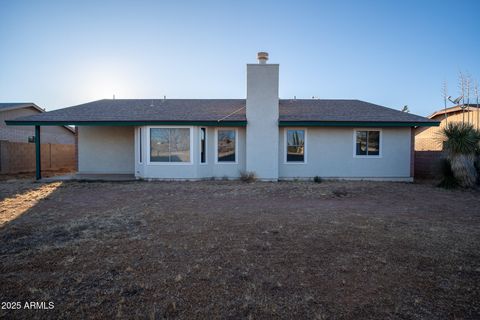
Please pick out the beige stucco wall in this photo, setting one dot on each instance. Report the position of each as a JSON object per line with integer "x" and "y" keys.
{"x": 49, "y": 134}
{"x": 431, "y": 138}
{"x": 106, "y": 150}
{"x": 330, "y": 154}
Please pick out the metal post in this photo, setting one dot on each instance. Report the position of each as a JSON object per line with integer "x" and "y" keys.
{"x": 38, "y": 156}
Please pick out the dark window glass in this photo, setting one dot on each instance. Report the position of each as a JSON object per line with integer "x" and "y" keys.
{"x": 203, "y": 137}
{"x": 368, "y": 143}
{"x": 295, "y": 145}
{"x": 361, "y": 143}
{"x": 226, "y": 145}
{"x": 373, "y": 143}
{"x": 169, "y": 145}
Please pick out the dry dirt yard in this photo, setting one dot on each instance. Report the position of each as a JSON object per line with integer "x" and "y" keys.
{"x": 230, "y": 250}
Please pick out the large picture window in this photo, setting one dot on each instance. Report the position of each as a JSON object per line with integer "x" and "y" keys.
{"x": 226, "y": 145}
{"x": 367, "y": 143}
{"x": 169, "y": 145}
{"x": 295, "y": 146}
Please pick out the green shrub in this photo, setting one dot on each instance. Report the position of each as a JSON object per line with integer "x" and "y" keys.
{"x": 317, "y": 179}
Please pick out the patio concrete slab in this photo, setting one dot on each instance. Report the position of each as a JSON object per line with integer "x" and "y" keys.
{"x": 91, "y": 177}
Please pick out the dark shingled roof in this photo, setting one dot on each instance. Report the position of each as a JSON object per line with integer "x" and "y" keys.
{"x": 4, "y": 106}
{"x": 147, "y": 110}
{"x": 226, "y": 110}
{"x": 342, "y": 110}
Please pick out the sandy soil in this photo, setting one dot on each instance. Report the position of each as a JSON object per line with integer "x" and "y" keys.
{"x": 31, "y": 175}
{"x": 219, "y": 249}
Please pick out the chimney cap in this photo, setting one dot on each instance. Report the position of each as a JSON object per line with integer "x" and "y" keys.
{"x": 262, "y": 57}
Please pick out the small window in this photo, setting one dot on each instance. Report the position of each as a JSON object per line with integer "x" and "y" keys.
{"x": 367, "y": 143}
{"x": 203, "y": 145}
{"x": 295, "y": 145}
{"x": 140, "y": 148}
{"x": 169, "y": 145}
{"x": 226, "y": 145}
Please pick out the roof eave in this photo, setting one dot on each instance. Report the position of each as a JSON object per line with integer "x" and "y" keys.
{"x": 23, "y": 105}
{"x": 233, "y": 123}
{"x": 359, "y": 123}
{"x": 239, "y": 123}
{"x": 34, "y": 106}
{"x": 457, "y": 108}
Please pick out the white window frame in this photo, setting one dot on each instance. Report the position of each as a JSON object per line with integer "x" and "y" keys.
{"x": 154, "y": 163}
{"x": 380, "y": 143}
{"x": 216, "y": 145}
{"x": 285, "y": 145}
{"x": 200, "y": 145}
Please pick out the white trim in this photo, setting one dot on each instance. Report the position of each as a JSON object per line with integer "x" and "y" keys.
{"x": 216, "y": 145}
{"x": 200, "y": 146}
{"x": 285, "y": 145}
{"x": 380, "y": 144}
{"x": 154, "y": 163}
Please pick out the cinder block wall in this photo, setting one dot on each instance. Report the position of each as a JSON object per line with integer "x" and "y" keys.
{"x": 16, "y": 157}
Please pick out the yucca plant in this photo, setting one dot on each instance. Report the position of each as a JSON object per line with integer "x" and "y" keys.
{"x": 448, "y": 179}
{"x": 462, "y": 145}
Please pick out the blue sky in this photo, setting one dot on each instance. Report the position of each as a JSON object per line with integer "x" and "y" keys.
{"x": 393, "y": 53}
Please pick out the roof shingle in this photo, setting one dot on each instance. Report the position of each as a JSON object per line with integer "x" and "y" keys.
{"x": 148, "y": 110}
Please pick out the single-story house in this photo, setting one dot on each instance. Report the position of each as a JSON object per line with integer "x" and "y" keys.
{"x": 17, "y": 151}
{"x": 51, "y": 134}
{"x": 431, "y": 138}
{"x": 274, "y": 138}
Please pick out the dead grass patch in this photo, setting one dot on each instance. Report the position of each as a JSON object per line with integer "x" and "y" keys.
{"x": 224, "y": 249}
{"x": 14, "y": 204}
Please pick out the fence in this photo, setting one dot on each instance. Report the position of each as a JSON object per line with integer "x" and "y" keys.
{"x": 16, "y": 157}
{"x": 428, "y": 164}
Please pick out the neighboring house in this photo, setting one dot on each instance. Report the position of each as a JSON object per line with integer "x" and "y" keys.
{"x": 431, "y": 138}
{"x": 275, "y": 138}
{"x": 17, "y": 151}
{"x": 53, "y": 134}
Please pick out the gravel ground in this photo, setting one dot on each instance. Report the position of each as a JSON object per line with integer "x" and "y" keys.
{"x": 229, "y": 250}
